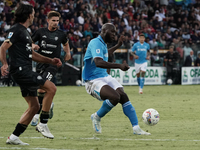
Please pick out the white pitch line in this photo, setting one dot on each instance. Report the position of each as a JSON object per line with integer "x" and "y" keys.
{"x": 112, "y": 139}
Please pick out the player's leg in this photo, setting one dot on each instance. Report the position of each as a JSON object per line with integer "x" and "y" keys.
{"x": 48, "y": 73}
{"x": 137, "y": 70}
{"x": 100, "y": 90}
{"x": 142, "y": 78}
{"x": 130, "y": 112}
{"x": 33, "y": 107}
{"x": 35, "y": 119}
{"x": 42, "y": 127}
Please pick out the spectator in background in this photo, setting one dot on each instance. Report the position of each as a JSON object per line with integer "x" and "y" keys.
{"x": 88, "y": 32}
{"x": 171, "y": 59}
{"x": 155, "y": 58}
{"x": 186, "y": 50}
{"x": 197, "y": 62}
{"x": 81, "y": 19}
{"x": 153, "y": 43}
{"x": 189, "y": 61}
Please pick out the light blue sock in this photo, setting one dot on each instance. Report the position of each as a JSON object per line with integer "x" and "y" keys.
{"x": 105, "y": 108}
{"x": 138, "y": 80}
{"x": 141, "y": 82}
{"x": 129, "y": 111}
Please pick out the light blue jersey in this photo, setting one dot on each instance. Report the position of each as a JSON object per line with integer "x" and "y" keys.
{"x": 96, "y": 48}
{"x": 141, "y": 51}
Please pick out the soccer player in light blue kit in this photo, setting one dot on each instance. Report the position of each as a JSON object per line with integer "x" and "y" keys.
{"x": 141, "y": 53}
{"x": 101, "y": 85}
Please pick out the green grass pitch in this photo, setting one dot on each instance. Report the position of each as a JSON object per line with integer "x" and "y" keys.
{"x": 178, "y": 128}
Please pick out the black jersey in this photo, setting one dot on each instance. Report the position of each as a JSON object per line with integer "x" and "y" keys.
{"x": 20, "y": 52}
{"x": 49, "y": 41}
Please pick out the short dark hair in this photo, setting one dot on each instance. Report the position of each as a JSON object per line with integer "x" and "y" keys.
{"x": 53, "y": 14}
{"x": 141, "y": 34}
{"x": 22, "y": 13}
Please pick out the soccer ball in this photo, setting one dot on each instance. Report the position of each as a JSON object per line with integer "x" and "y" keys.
{"x": 169, "y": 81}
{"x": 78, "y": 82}
{"x": 150, "y": 117}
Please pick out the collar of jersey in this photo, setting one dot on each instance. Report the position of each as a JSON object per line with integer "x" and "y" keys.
{"x": 100, "y": 38}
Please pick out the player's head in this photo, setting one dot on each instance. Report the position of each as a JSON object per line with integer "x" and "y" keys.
{"x": 23, "y": 13}
{"x": 108, "y": 31}
{"x": 141, "y": 38}
{"x": 53, "y": 20}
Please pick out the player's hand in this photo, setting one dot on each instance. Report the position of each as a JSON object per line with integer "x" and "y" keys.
{"x": 67, "y": 56}
{"x": 136, "y": 57}
{"x": 121, "y": 40}
{"x": 124, "y": 67}
{"x": 147, "y": 58}
{"x": 56, "y": 62}
{"x": 4, "y": 70}
{"x": 35, "y": 47}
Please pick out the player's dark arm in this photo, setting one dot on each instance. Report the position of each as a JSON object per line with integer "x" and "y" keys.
{"x": 66, "y": 48}
{"x": 4, "y": 47}
{"x": 42, "y": 59}
{"x": 99, "y": 62}
{"x": 120, "y": 42}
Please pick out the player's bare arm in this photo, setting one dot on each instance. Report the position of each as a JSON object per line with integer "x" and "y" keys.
{"x": 120, "y": 42}
{"x": 42, "y": 59}
{"x": 134, "y": 55}
{"x": 35, "y": 47}
{"x": 3, "y": 49}
{"x": 66, "y": 48}
{"x": 99, "y": 62}
{"x": 148, "y": 55}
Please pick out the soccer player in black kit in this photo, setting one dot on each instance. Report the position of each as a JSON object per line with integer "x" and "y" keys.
{"x": 21, "y": 53}
{"x": 49, "y": 44}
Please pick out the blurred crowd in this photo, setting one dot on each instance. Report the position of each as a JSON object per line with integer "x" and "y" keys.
{"x": 164, "y": 22}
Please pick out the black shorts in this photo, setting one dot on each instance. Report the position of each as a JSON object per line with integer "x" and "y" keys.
{"x": 28, "y": 81}
{"x": 47, "y": 71}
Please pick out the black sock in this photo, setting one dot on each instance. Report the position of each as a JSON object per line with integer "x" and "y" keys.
{"x": 44, "y": 117}
{"x": 19, "y": 129}
{"x": 40, "y": 98}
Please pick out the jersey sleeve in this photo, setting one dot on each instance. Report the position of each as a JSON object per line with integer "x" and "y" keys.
{"x": 96, "y": 49}
{"x": 65, "y": 39}
{"x": 12, "y": 37}
{"x": 134, "y": 48}
{"x": 36, "y": 36}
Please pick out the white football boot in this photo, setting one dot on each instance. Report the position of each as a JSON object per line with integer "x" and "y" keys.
{"x": 96, "y": 123}
{"x": 43, "y": 128}
{"x": 138, "y": 131}
{"x": 17, "y": 141}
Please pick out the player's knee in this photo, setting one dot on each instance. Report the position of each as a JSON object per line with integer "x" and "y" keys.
{"x": 115, "y": 98}
{"x": 53, "y": 90}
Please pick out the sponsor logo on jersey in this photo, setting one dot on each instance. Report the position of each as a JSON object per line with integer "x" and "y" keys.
{"x": 39, "y": 77}
{"x": 56, "y": 38}
{"x": 46, "y": 52}
{"x": 51, "y": 45}
{"x": 44, "y": 36}
{"x": 28, "y": 47}
{"x": 10, "y": 34}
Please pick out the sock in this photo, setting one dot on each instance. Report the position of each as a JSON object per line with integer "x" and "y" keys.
{"x": 105, "y": 108}
{"x": 141, "y": 82}
{"x": 44, "y": 117}
{"x": 138, "y": 80}
{"x": 136, "y": 127}
{"x": 40, "y": 99}
{"x": 19, "y": 129}
{"x": 129, "y": 111}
